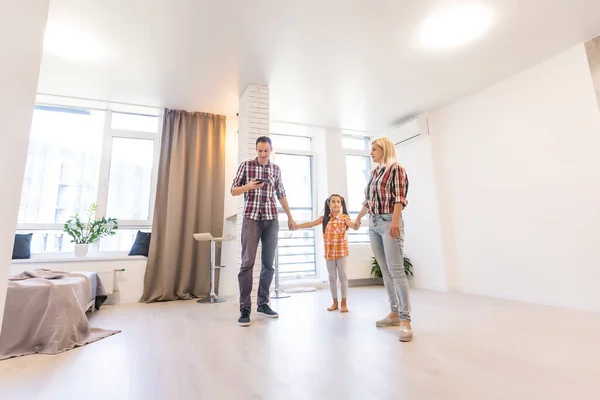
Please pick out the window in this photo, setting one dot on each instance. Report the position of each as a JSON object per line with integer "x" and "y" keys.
{"x": 134, "y": 122}
{"x": 63, "y": 164}
{"x": 289, "y": 142}
{"x": 296, "y": 250}
{"x": 78, "y": 157}
{"x": 355, "y": 142}
{"x": 358, "y": 167}
{"x": 130, "y": 179}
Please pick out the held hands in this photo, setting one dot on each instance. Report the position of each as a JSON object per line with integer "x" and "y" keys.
{"x": 292, "y": 225}
{"x": 357, "y": 223}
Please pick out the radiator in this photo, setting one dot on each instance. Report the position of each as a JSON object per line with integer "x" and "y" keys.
{"x": 107, "y": 276}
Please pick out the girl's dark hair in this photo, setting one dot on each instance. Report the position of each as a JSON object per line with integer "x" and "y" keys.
{"x": 328, "y": 210}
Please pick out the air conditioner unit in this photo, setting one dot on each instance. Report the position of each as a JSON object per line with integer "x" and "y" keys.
{"x": 410, "y": 130}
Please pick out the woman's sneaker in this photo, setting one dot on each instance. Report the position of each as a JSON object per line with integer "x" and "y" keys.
{"x": 244, "y": 319}
{"x": 406, "y": 334}
{"x": 387, "y": 321}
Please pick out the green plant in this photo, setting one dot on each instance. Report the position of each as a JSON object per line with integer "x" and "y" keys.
{"x": 376, "y": 269}
{"x": 85, "y": 232}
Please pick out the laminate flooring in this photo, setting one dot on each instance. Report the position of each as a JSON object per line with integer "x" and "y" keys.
{"x": 465, "y": 347}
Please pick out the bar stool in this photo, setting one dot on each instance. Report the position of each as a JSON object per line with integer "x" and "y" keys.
{"x": 207, "y": 237}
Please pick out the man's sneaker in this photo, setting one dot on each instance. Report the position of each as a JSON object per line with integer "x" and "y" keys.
{"x": 244, "y": 317}
{"x": 387, "y": 321}
{"x": 266, "y": 310}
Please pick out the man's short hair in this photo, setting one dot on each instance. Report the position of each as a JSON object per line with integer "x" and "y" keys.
{"x": 264, "y": 139}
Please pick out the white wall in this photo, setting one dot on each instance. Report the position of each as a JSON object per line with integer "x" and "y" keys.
{"x": 519, "y": 186}
{"x": 22, "y": 25}
{"x": 423, "y": 241}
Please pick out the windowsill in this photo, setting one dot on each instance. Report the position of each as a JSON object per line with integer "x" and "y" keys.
{"x": 69, "y": 257}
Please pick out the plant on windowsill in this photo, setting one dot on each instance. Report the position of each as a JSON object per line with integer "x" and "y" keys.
{"x": 376, "y": 269}
{"x": 86, "y": 232}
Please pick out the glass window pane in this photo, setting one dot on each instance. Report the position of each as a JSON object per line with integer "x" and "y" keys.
{"x": 362, "y": 234}
{"x": 285, "y": 142}
{"x": 122, "y": 241}
{"x": 296, "y": 175}
{"x": 355, "y": 142}
{"x": 288, "y": 249}
{"x": 297, "y": 268}
{"x": 302, "y": 215}
{"x": 50, "y": 242}
{"x": 357, "y": 170}
{"x": 63, "y": 164}
{"x": 134, "y": 122}
{"x": 130, "y": 179}
{"x": 297, "y": 249}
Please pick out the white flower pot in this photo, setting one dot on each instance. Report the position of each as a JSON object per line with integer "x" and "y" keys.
{"x": 81, "y": 250}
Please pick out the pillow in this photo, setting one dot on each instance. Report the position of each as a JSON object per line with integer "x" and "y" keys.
{"x": 141, "y": 245}
{"x": 22, "y": 246}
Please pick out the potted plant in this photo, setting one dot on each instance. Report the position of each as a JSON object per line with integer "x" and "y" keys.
{"x": 86, "y": 232}
{"x": 376, "y": 269}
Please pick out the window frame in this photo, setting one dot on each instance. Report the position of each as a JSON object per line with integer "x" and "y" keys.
{"x": 364, "y": 237}
{"x": 313, "y": 198}
{"x": 104, "y": 171}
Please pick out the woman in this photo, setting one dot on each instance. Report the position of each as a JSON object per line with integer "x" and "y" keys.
{"x": 385, "y": 198}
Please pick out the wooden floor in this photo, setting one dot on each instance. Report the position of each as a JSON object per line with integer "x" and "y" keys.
{"x": 465, "y": 347}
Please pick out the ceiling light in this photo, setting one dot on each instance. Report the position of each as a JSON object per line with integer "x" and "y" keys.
{"x": 73, "y": 43}
{"x": 455, "y": 25}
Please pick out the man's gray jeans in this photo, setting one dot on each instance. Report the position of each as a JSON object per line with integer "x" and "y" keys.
{"x": 252, "y": 231}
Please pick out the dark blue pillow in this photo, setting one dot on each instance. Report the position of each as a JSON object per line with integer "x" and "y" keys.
{"x": 22, "y": 246}
{"x": 141, "y": 245}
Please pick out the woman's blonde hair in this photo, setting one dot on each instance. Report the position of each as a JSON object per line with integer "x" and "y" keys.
{"x": 389, "y": 152}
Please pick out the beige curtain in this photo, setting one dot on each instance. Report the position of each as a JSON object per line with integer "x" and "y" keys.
{"x": 189, "y": 199}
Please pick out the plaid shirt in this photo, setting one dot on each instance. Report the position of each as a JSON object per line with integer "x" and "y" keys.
{"x": 260, "y": 204}
{"x": 335, "y": 239}
{"x": 387, "y": 186}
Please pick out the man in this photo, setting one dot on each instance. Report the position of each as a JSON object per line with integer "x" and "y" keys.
{"x": 259, "y": 181}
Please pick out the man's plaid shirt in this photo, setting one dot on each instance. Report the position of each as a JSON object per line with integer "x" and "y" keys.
{"x": 260, "y": 204}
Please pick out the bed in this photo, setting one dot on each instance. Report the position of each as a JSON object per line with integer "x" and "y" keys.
{"x": 97, "y": 293}
{"x": 45, "y": 312}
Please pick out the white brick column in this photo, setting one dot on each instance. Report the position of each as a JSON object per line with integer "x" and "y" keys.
{"x": 253, "y": 123}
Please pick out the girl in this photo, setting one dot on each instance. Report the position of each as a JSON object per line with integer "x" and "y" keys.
{"x": 335, "y": 222}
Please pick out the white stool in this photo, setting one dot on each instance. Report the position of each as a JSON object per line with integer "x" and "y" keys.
{"x": 207, "y": 237}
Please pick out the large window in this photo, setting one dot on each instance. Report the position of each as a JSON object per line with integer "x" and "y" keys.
{"x": 78, "y": 157}
{"x": 358, "y": 167}
{"x": 296, "y": 251}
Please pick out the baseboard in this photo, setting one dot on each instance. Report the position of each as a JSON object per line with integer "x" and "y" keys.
{"x": 365, "y": 282}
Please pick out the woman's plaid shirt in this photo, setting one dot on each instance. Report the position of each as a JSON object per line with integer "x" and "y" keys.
{"x": 387, "y": 186}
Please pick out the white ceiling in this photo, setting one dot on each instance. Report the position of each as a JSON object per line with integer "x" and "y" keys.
{"x": 352, "y": 64}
